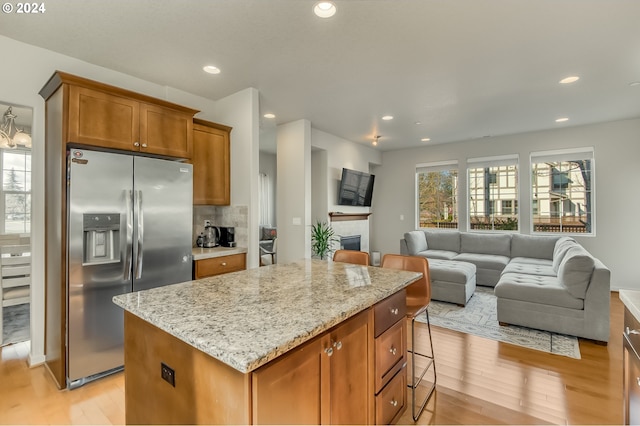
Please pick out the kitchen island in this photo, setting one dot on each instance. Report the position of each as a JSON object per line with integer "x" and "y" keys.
{"x": 285, "y": 343}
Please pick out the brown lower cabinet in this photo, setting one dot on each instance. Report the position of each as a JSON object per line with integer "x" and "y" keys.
{"x": 219, "y": 265}
{"x": 329, "y": 380}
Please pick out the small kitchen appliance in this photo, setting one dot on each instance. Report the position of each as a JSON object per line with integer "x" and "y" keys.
{"x": 211, "y": 236}
{"x": 227, "y": 236}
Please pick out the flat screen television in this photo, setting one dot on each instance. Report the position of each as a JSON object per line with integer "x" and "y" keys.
{"x": 356, "y": 188}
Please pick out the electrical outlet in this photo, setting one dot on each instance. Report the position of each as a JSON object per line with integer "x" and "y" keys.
{"x": 207, "y": 223}
{"x": 168, "y": 374}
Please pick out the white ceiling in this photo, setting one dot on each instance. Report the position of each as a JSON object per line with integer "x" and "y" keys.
{"x": 464, "y": 69}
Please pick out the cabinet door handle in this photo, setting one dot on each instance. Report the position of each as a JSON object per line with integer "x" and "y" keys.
{"x": 136, "y": 144}
{"x": 144, "y": 145}
{"x": 337, "y": 345}
{"x": 329, "y": 351}
{"x": 638, "y": 380}
{"x": 393, "y": 350}
{"x": 394, "y": 311}
{"x": 629, "y": 331}
{"x": 224, "y": 263}
{"x": 394, "y": 402}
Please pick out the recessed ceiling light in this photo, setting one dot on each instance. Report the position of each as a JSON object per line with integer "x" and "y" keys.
{"x": 634, "y": 83}
{"x": 375, "y": 140}
{"x": 570, "y": 79}
{"x": 324, "y": 9}
{"x": 211, "y": 69}
{"x": 562, "y": 120}
{"x": 387, "y": 117}
{"x": 269, "y": 115}
{"x": 418, "y": 123}
{"x": 425, "y": 139}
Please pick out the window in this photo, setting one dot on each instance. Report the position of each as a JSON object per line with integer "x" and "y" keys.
{"x": 437, "y": 191}
{"x": 562, "y": 191}
{"x": 493, "y": 193}
{"x": 16, "y": 191}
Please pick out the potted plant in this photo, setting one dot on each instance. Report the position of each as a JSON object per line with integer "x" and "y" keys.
{"x": 322, "y": 238}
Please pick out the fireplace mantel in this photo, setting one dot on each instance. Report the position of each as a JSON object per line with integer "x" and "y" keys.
{"x": 337, "y": 217}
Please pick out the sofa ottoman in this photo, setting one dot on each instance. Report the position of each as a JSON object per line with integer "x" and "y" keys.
{"x": 452, "y": 281}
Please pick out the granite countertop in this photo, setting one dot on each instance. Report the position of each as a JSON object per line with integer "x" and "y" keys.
{"x": 245, "y": 319}
{"x": 200, "y": 253}
{"x": 631, "y": 299}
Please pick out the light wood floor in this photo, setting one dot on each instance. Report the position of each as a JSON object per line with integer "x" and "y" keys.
{"x": 479, "y": 382}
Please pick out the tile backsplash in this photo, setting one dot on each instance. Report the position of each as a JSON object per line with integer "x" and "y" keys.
{"x": 236, "y": 216}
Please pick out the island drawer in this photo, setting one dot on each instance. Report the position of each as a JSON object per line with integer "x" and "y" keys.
{"x": 392, "y": 399}
{"x": 219, "y": 265}
{"x": 391, "y": 353}
{"x": 389, "y": 311}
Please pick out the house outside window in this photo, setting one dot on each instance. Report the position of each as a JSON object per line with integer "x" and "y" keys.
{"x": 562, "y": 185}
{"x": 16, "y": 191}
{"x": 493, "y": 193}
{"x": 437, "y": 195}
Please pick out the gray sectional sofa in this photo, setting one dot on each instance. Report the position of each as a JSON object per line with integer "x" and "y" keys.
{"x": 545, "y": 282}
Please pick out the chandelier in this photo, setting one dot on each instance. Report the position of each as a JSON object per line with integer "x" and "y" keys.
{"x": 10, "y": 135}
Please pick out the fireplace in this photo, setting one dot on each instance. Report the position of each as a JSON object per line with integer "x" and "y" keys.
{"x": 351, "y": 242}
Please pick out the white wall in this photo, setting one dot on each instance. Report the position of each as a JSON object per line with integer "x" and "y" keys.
{"x": 319, "y": 185}
{"x": 294, "y": 191}
{"x": 269, "y": 166}
{"x": 617, "y": 175}
{"x": 240, "y": 111}
{"x": 21, "y": 84}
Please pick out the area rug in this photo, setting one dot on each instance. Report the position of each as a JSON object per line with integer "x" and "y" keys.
{"x": 16, "y": 324}
{"x": 479, "y": 318}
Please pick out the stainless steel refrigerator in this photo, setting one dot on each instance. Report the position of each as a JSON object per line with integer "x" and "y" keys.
{"x": 129, "y": 227}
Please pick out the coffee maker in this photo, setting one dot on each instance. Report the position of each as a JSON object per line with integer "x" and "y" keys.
{"x": 227, "y": 236}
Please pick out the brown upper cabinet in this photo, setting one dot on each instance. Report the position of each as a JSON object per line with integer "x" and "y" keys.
{"x": 211, "y": 163}
{"x": 109, "y": 117}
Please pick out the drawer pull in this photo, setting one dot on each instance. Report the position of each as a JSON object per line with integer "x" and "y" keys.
{"x": 224, "y": 263}
{"x": 629, "y": 331}
{"x": 329, "y": 351}
{"x": 136, "y": 144}
{"x": 394, "y": 402}
{"x": 638, "y": 380}
{"x": 393, "y": 350}
{"x": 337, "y": 345}
{"x": 394, "y": 311}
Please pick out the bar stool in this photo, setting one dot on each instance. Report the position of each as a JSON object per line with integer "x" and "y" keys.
{"x": 351, "y": 256}
{"x": 418, "y": 298}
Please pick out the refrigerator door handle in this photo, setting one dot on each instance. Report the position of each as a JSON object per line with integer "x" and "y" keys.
{"x": 140, "y": 210}
{"x": 129, "y": 248}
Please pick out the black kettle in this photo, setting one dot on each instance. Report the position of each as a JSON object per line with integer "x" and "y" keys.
{"x": 211, "y": 236}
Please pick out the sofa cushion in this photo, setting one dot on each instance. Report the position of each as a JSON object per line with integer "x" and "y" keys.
{"x": 484, "y": 261}
{"x": 534, "y": 246}
{"x": 536, "y": 289}
{"x": 560, "y": 250}
{"x": 575, "y": 271}
{"x": 438, "y": 254}
{"x": 533, "y": 261}
{"x": 529, "y": 269}
{"x": 498, "y": 244}
{"x": 416, "y": 241}
{"x": 443, "y": 240}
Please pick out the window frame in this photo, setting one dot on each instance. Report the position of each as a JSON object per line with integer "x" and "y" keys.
{"x": 437, "y": 166}
{"x": 562, "y": 155}
{"x": 494, "y": 204}
{"x": 4, "y": 193}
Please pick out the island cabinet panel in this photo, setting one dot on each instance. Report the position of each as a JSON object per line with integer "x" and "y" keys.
{"x": 206, "y": 390}
{"x": 219, "y": 265}
{"x": 211, "y": 163}
{"x": 323, "y": 382}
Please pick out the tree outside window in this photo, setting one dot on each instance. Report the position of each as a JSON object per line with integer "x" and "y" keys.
{"x": 16, "y": 191}
{"x": 437, "y": 197}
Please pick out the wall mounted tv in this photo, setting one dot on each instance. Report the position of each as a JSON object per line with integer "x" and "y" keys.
{"x": 356, "y": 188}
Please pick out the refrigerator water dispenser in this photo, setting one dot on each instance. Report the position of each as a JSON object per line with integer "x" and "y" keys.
{"x": 101, "y": 238}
